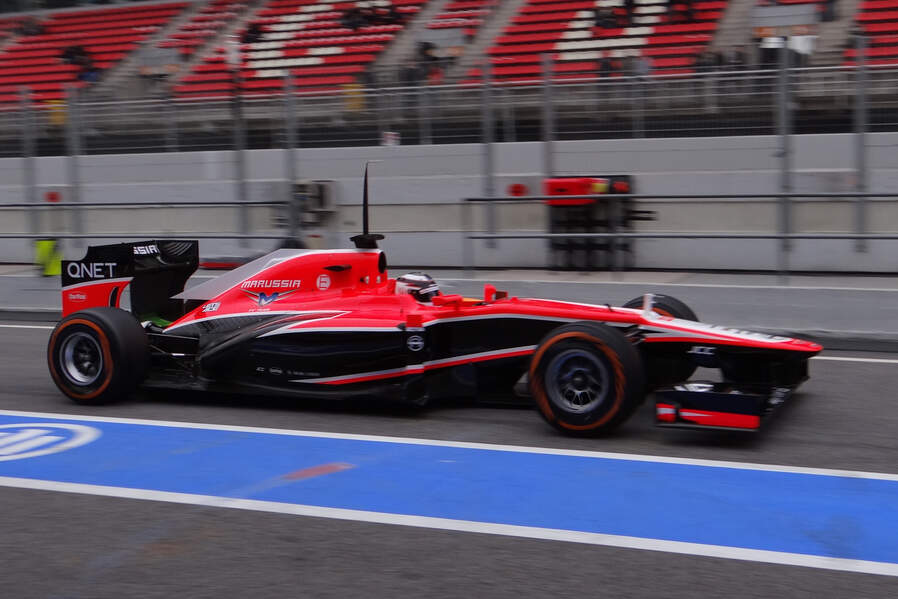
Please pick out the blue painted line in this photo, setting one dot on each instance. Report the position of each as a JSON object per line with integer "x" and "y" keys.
{"x": 819, "y": 515}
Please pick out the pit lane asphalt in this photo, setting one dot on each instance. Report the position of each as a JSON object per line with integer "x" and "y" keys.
{"x": 65, "y": 545}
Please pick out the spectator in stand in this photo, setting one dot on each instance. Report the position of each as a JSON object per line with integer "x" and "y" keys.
{"x": 435, "y": 75}
{"x": 73, "y": 54}
{"x": 30, "y": 26}
{"x": 393, "y": 16}
{"x": 252, "y": 35}
{"x": 89, "y": 71}
{"x": 606, "y": 66}
{"x": 686, "y": 13}
{"x": 410, "y": 75}
{"x": 353, "y": 19}
{"x": 630, "y": 10}
{"x": 369, "y": 16}
{"x": 605, "y": 18}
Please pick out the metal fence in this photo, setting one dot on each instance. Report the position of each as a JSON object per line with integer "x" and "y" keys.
{"x": 711, "y": 103}
{"x": 779, "y": 101}
{"x": 617, "y": 232}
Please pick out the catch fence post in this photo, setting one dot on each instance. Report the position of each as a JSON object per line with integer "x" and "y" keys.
{"x": 489, "y": 166}
{"x": 171, "y": 123}
{"x": 860, "y": 142}
{"x": 548, "y": 117}
{"x": 293, "y": 221}
{"x": 29, "y": 176}
{"x": 73, "y": 143}
{"x": 240, "y": 155}
{"x": 785, "y": 130}
{"x": 422, "y": 93}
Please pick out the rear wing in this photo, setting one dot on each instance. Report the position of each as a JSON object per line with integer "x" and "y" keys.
{"x": 153, "y": 271}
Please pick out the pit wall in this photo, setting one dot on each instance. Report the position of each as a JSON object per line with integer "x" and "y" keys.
{"x": 414, "y": 189}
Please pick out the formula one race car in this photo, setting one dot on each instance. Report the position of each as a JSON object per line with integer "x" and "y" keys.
{"x": 333, "y": 324}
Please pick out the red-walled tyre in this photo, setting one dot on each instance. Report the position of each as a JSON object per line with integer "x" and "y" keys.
{"x": 586, "y": 378}
{"x": 665, "y": 305}
{"x": 98, "y": 356}
{"x": 667, "y": 367}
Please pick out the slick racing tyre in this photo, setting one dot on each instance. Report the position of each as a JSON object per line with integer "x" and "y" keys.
{"x": 665, "y": 367}
{"x": 98, "y": 356}
{"x": 586, "y": 378}
{"x": 666, "y": 305}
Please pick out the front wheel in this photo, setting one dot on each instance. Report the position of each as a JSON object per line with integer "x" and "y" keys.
{"x": 586, "y": 378}
{"x": 98, "y": 356}
{"x": 667, "y": 364}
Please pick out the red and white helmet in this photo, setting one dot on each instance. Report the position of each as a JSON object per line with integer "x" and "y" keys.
{"x": 421, "y": 286}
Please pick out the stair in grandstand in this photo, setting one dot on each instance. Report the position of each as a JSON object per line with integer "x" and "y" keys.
{"x": 404, "y": 45}
{"x": 834, "y": 36}
{"x": 304, "y": 39}
{"x": 120, "y": 77}
{"x": 483, "y": 37}
{"x": 107, "y": 35}
{"x": 670, "y": 36}
{"x": 233, "y": 27}
{"x": 735, "y": 26}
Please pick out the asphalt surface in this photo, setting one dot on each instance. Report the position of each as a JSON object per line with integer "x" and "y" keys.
{"x": 66, "y": 545}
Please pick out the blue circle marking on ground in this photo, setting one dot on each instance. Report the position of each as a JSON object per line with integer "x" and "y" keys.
{"x": 33, "y": 439}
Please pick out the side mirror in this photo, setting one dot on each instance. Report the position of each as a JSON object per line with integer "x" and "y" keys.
{"x": 489, "y": 292}
{"x": 447, "y": 300}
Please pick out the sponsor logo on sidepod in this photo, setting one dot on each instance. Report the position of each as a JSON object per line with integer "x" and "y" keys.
{"x": 77, "y": 296}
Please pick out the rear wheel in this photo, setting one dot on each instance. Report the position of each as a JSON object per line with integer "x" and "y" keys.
{"x": 98, "y": 356}
{"x": 586, "y": 378}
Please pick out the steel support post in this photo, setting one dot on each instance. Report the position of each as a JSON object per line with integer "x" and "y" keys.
{"x": 73, "y": 141}
{"x": 171, "y": 124}
{"x": 489, "y": 165}
{"x": 860, "y": 142}
{"x": 422, "y": 95}
{"x": 29, "y": 176}
{"x": 467, "y": 247}
{"x": 508, "y": 129}
{"x": 637, "y": 106}
{"x": 785, "y": 129}
{"x": 239, "y": 155}
{"x": 293, "y": 220}
{"x": 548, "y": 117}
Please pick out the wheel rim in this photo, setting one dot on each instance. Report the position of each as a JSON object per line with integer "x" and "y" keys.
{"x": 577, "y": 381}
{"x": 82, "y": 359}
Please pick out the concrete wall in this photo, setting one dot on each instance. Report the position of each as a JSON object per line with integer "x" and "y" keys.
{"x": 414, "y": 189}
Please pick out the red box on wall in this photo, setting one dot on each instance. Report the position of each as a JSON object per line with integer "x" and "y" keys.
{"x": 573, "y": 186}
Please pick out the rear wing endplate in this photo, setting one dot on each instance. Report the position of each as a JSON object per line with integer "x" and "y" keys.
{"x": 153, "y": 271}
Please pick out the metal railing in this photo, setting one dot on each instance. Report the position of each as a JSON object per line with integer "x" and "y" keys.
{"x": 616, "y": 227}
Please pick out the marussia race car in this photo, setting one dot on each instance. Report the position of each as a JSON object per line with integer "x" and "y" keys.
{"x": 333, "y": 324}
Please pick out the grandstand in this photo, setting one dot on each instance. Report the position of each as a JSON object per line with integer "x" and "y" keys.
{"x": 329, "y": 57}
{"x": 879, "y": 20}
{"x": 106, "y": 36}
{"x": 304, "y": 39}
{"x": 669, "y": 39}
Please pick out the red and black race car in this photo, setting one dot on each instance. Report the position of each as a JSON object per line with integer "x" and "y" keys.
{"x": 333, "y": 324}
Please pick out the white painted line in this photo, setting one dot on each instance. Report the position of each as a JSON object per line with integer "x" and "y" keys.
{"x": 663, "y": 284}
{"x": 466, "y": 445}
{"x": 25, "y": 326}
{"x": 849, "y": 359}
{"x": 508, "y": 530}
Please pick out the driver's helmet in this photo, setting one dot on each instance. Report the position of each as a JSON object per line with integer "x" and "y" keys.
{"x": 421, "y": 286}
